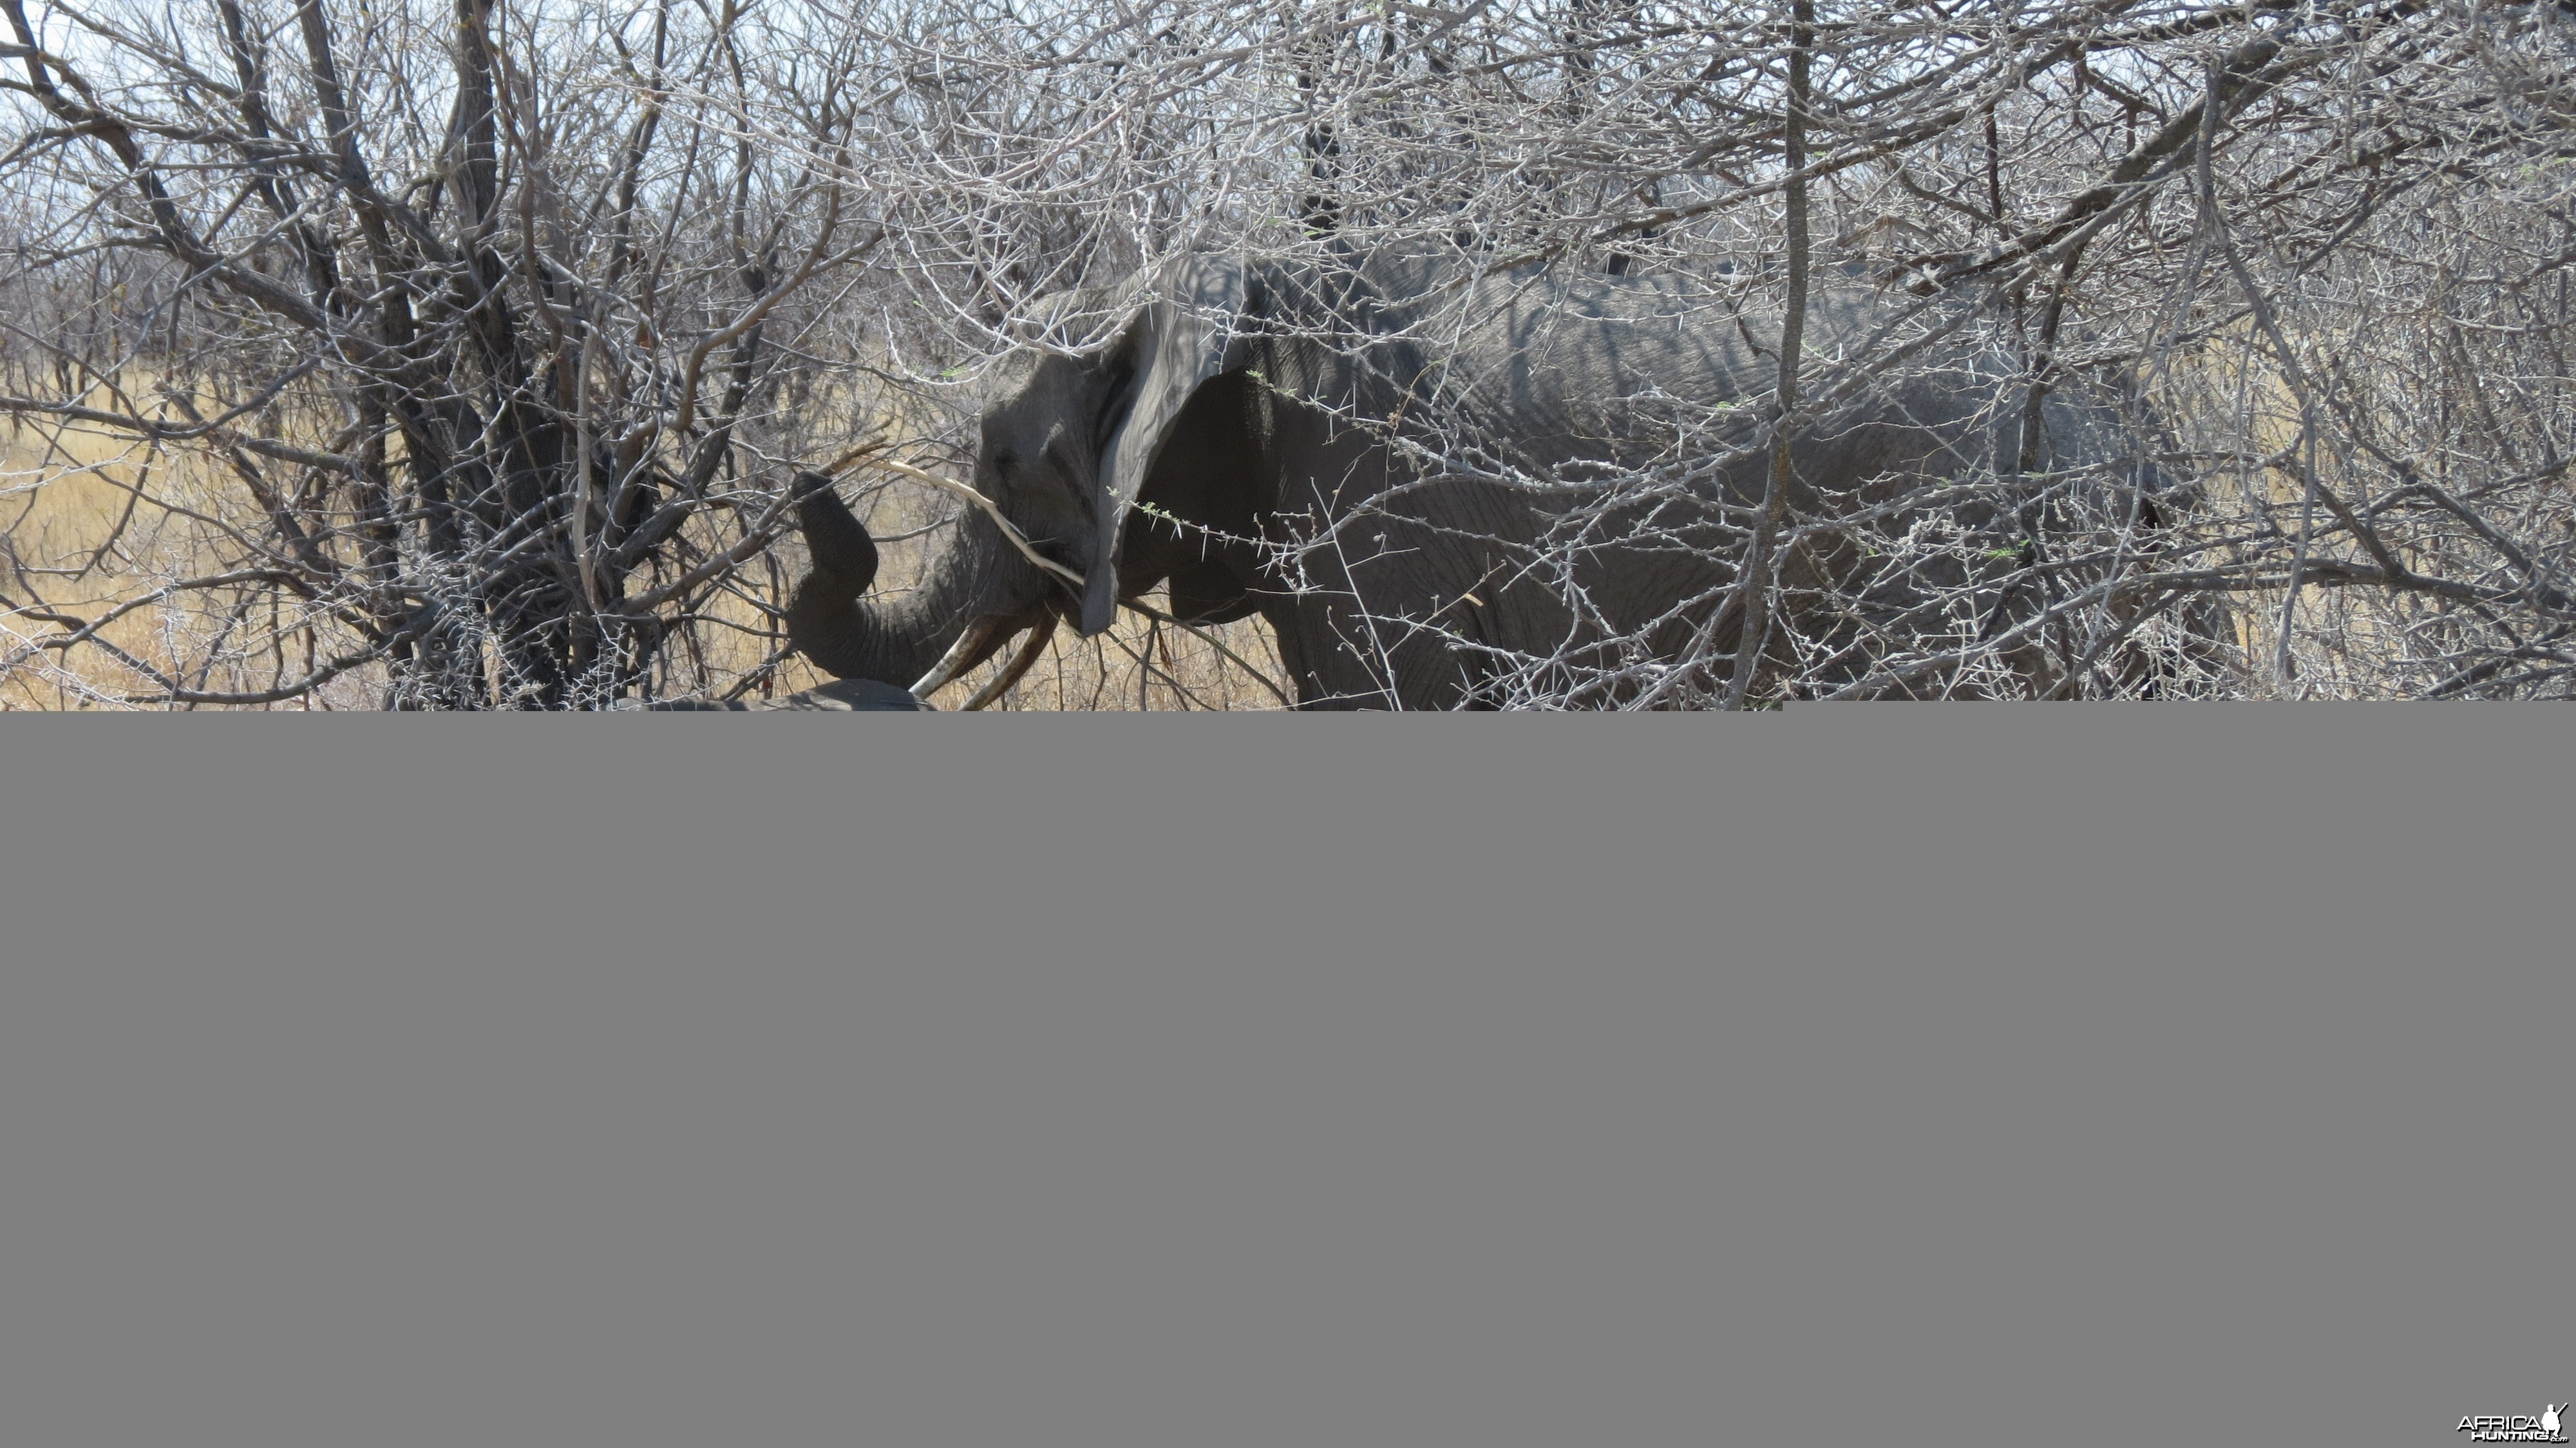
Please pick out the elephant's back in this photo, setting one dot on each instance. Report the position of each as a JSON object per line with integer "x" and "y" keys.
{"x": 1629, "y": 371}
{"x": 1571, "y": 377}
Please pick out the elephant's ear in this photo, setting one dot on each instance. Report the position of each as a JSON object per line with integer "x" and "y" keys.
{"x": 1186, "y": 333}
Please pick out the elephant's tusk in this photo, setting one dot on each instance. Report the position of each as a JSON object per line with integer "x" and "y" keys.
{"x": 968, "y": 645}
{"x": 1039, "y": 638}
{"x": 991, "y": 510}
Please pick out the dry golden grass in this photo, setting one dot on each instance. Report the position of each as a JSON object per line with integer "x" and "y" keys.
{"x": 93, "y": 522}
{"x": 2342, "y": 639}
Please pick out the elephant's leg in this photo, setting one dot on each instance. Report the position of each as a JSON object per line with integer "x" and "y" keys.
{"x": 1395, "y": 626}
{"x": 1288, "y": 635}
{"x": 1346, "y": 655}
{"x": 1390, "y": 607}
{"x": 1316, "y": 642}
{"x": 1336, "y": 656}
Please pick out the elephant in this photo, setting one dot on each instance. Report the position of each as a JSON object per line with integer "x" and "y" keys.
{"x": 1381, "y": 459}
{"x": 843, "y": 696}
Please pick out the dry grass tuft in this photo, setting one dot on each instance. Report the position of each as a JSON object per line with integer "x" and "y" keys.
{"x": 92, "y": 523}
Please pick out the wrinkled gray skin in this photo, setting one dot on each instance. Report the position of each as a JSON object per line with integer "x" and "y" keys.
{"x": 1221, "y": 406}
{"x": 846, "y": 696}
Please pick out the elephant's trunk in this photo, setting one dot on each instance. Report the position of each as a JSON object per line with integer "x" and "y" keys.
{"x": 978, "y": 578}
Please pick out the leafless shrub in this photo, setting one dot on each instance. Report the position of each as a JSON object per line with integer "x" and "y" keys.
{"x": 458, "y": 354}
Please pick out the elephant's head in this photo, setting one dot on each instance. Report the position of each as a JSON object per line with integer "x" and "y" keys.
{"x": 1063, "y": 457}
